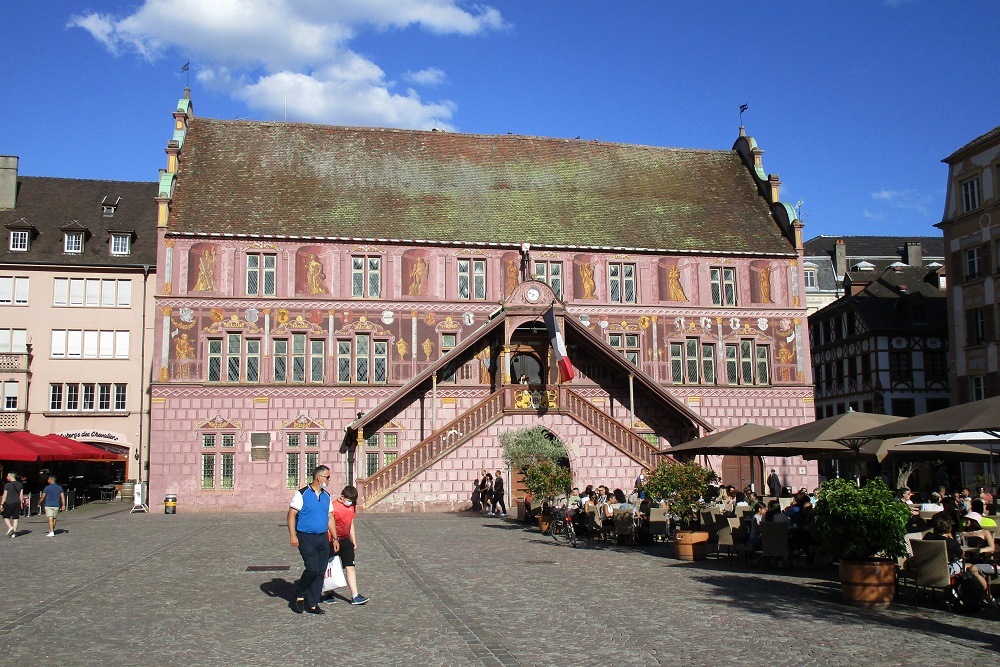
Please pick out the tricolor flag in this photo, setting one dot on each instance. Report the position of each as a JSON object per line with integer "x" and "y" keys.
{"x": 566, "y": 371}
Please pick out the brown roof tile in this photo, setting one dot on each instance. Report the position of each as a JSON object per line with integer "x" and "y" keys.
{"x": 240, "y": 177}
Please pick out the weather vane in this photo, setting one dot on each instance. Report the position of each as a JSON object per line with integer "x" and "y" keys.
{"x": 743, "y": 107}
{"x": 186, "y": 68}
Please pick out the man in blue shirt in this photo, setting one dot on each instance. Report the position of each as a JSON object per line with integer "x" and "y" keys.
{"x": 53, "y": 499}
{"x": 310, "y": 519}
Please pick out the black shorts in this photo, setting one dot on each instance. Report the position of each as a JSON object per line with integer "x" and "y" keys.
{"x": 12, "y": 511}
{"x": 346, "y": 552}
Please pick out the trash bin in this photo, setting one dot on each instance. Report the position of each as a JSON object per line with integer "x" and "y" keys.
{"x": 170, "y": 504}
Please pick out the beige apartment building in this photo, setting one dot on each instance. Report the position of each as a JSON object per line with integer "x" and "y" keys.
{"x": 971, "y": 226}
{"x": 76, "y": 266}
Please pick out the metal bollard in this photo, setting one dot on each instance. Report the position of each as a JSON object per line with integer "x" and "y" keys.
{"x": 170, "y": 504}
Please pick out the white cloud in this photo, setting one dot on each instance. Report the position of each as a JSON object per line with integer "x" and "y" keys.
{"x": 907, "y": 200}
{"x": 431, "y": 76}
{"x": 872, "y": 215}
{"x": 263, "y": 52}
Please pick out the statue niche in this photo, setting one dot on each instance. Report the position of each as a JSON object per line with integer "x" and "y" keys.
{"x": 760, "y": 281}
{"x": 311, "y": 276}
{"x": 417, "y": 265}
{"x": 202, "y": 268}
{"x": 672, "y": 278}
{"x": 585, "y": 287}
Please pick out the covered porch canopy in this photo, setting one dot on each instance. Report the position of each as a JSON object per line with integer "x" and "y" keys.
{"x": 26, "y": 447}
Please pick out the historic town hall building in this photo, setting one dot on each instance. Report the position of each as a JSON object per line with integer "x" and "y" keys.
{"x": 370, "y": 298}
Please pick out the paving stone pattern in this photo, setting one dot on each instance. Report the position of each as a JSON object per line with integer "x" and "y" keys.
{"x": 446, "y": 589}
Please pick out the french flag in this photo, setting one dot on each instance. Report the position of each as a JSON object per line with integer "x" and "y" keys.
{"x": 566, "y": 371}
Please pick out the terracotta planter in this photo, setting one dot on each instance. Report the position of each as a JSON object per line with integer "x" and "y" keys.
{"x": 869, "y": 583}
{"x": 543, "y": 522}
{"x": 691, "y": 544}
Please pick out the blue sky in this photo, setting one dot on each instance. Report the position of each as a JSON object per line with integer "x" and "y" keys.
{"x": 854, "y": 103}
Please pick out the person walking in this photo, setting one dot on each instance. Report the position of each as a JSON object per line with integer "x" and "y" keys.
{"x": 499, "y": 505}
{"x": 344, "y": 509}
{"x": 53, "y": 499}
{"x": 774, "y": 484}
{"x": 11, "y": 500}
{"x": 310, "y": 521}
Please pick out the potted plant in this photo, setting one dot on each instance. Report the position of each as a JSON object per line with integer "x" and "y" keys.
{"x": 544, "y": 464}
{"x": 681, "y": 486}
{"x": 864, "y": 527}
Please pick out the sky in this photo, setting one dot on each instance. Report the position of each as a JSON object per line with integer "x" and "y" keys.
{"x": 854, "y": 102}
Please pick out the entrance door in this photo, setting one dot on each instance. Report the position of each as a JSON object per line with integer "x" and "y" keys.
{"x": 736, "y": 470}
{"x": 527, "y": 365}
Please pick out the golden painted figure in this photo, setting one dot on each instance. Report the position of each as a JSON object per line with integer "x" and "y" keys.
{"x": 418, "y": 276}
{"x": 484, "y": 366}
{"x": 511, "y": 277}
{"x": 206, "y": 271}
{"x": 315, "y": 276}
{"x": 764, "y": 283}
{"x": 785, "y": 356}
{"x": 183, "y": 350}
{"x": 428, "y": 348}
{"x": 674, "y": 288}
{"x": 587, "y": 279}
{"x": 401, "y": 348}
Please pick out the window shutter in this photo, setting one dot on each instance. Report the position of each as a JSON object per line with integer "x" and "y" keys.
{"x": 985, "y": 260}
{"x": 958, "y": 266}
{"x": 121, "y": 344}
{"x": 20, "y": 290}
{"x": 989, "y": 328}
{"x": 58, "y": 343}
{"x": 6, "y": 290}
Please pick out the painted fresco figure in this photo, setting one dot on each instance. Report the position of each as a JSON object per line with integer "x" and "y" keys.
{"x": 511, "y": 277}
{"x": 764, "y": 284}
{"x": 206, "y": 271}
{"x": 674, "y": 288}
{"x": 587, "y": 278}
{"x": 183, "y": 350}
{"x": 315, "y": 276}
{"x": 418, "y": 275}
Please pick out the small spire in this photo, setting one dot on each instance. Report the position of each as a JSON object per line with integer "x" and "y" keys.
{"x": 187, "y": 93}
{"x": 743, "y": 131}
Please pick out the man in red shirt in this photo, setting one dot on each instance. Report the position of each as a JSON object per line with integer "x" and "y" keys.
{"x": 344, "y": 509}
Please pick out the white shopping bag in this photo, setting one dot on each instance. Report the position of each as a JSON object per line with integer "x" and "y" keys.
{"x": 334, "y": 577}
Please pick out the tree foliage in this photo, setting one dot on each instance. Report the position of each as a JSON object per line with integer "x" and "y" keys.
{"x": 682, "y": 486}
{"x": 525, "y": 447}
{"x": 546, "y": 480}
{"x": 859, "y": 523}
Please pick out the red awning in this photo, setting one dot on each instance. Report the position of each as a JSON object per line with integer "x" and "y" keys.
{"x": 15, "y": 447}
{"x": 83, "y": 451}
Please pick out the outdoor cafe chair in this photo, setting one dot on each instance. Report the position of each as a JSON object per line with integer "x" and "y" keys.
{"x": 658, "y": 522}
{"x": 594, "y": 524}
{"x": 774, "y": 542}
{"x": 785, "y": 503}
{"x": 729, "y": 537}
{"x": 928, "y": 566}
{"x": 624, "y": 526}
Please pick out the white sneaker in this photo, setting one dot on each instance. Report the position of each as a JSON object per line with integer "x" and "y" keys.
{"x": 50, "y": 534}
{"x": 489, "y": 514}
{"x": 9, "y": 531}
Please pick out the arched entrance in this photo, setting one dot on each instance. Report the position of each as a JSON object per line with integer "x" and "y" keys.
{"x": 740, "y": 471}
{"x": 529, "y": 352}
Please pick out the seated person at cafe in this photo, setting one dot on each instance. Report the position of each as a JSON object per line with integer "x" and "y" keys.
{"x": 942, "y": 530}
{"x": 933, "y": 504}
{"x": 978, "y": 510}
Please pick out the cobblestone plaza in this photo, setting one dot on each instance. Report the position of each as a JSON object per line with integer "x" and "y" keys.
{"x": 446, "y": 589}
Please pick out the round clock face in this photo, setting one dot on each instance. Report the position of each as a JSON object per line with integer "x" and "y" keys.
{"x": 532, "y": 294}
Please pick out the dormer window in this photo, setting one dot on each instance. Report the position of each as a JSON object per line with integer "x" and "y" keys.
{"x": 73, "y": 243}
{"x": 121, "y": 244}
{"x": 108, "y": 206}
{"x": 19, "y": 240}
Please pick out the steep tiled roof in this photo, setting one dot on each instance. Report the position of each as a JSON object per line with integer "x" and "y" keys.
{"x": 981, "y": 139}
{"x": 51, "y": 205}
{"x": 888, "y": 302}
{"x": 240, "y": 177}
{"x": 875, "y": 246}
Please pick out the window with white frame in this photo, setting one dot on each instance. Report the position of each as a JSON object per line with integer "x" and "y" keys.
{"x": 621, "y": 282}
{"x": 73, "y": 243}
{"x": 366, "y": 276}
{"x": 214, "y": 459}
{"x": 13, "y": 341}
{"x": 121, "y": 244}
{"x": 977, "y": 387}
{"x": 89, "y": 344}
{"x": 550, "y": 273}
{"x": 19, "y": 240}
{"x": 973, "y": 263}
{"x": 299, "y": 359}
{"x": 292, "y": 469}
{"x": 10, "y": 392}
{"x": 362, "y": 360}
{"x": 225, "y": 358}
{"x": 253, "y": 360}
{"x": 472, "y": 279}
{"x": 627, "y": 345}
{"x": 208, "y": 471}
{"x": 381, "y": 449}
{"x": 13, "y": 291}
{"x": 92, "y": 293}
{"x": 261, "y": 274}
{"x": 747, "y": 363}
{"x": 692, "y": 362}
{"x": 723, "y": 282}
{"x": 80, "y": 397}
{"x": 448, "y": 343}
{"x": 975, "y": 326}
{"x": 970, "y": 194}
{"x": 810, "y": 277}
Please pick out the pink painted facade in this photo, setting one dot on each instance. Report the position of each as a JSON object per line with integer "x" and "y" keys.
{"x": 275, "y": 353}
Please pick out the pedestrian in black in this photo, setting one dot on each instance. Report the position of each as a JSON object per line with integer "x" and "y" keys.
{"x": 310, "y": 521}
{"x": 774, "y": 484}
{"x": 11, "y": 500}
{"x": 499, "y": 505}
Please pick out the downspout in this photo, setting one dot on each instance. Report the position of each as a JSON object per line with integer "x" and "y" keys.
{"x": 143, "y": 387}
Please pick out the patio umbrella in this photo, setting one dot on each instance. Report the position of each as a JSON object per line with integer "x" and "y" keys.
{"x": 909, "y": 449}
{"x": 722, "y": 442}
{"x": 82, "y": 450}
{"x": 28, "y": 451}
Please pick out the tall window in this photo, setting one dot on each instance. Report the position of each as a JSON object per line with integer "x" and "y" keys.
{"x": 935, "y": 366}
{"x": 900, "y": 366}
{"x": 299, "y": 359}
{"x": 73, "y": 243}
{"x": 810, "y": 276}
{"x": 627, "y": 345}
{"x": 225, "y": 358}
{"x": 253, "y": 360}
{"x": 977, "y": 387}
{"x": 228, "y": 470}
{"x": 10, "y": 395}
{"x": 975, "y": 326}
{"x": 748, "y": 363}
{"x": 472, "y": 279}
{"x": 686, "y": 360}
{"x": 121, "y": 244}
{"x": 973, "y": 264}
{"x": 448, "y": 343}
{"x": 551, "y": 274}
{"x": 970, "y": 194}
{"x": 723, "y": 279}
{"x": 366, "y": 276}
{"x": 261, "y": 272}
{"x": 292, "y": 467}
{"x": 19, "y": 240}
{"x": 13, "y": 341}
{"x": 362, "y": 360}
{"x": 208, "y": 471}
{"x": 13, "y": 291}
{"x": 621, "y": 282}
{"x": 381, "y": 449}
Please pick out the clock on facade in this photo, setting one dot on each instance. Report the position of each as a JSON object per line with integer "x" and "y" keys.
{"x": 532, "y": 295}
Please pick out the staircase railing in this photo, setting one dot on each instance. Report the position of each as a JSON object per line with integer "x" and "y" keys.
{"x": 621, "y": 437}
{"x": 432, "y": 448}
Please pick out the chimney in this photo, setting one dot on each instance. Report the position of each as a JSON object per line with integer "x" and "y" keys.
{"x": 840, "y": 258}
{"x": 8, "y": 181}
{"x": 914, "y": 253}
